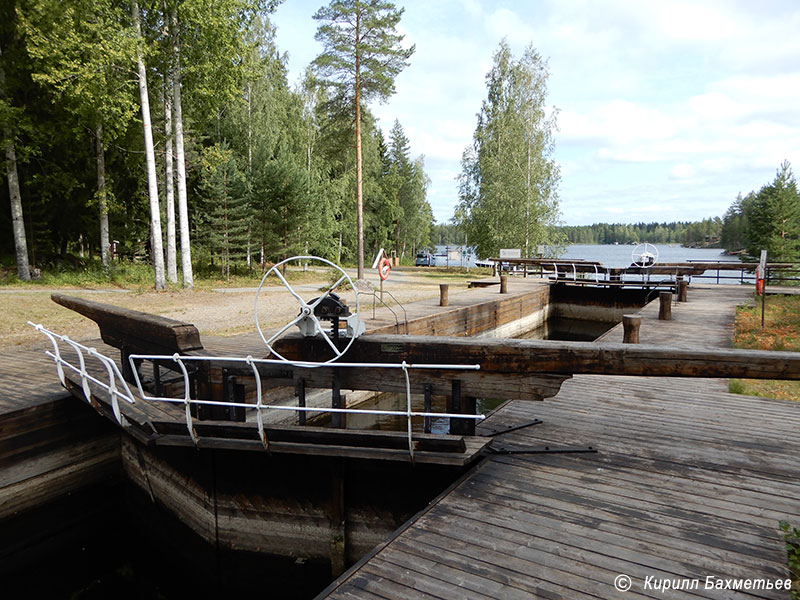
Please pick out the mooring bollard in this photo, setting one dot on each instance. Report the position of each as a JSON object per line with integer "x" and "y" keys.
{"x": 665, "y": 306}
{"x": 503, "y": 284}
{"x": 444, "y": 289}
{"x": 683, "y": 291}
{"x": 630, "y": 329}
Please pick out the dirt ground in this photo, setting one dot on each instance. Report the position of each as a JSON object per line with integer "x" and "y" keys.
{"x": 224, "y": 312}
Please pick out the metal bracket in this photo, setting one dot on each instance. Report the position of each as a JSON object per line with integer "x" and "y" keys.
{"x": 501, "y": 449}
{"x": 510, "y": 428}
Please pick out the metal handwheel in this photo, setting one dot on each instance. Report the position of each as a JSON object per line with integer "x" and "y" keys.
{"x": 326, "y": 307}
{"x": 644, "y": 255}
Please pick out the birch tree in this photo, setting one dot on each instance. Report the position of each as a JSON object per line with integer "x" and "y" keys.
{"x": 169, "y": 185}
{"x": 509, "y": 180}
{"x": 362, "y": 57}
{"x": 156, "y": 244}
{"x": 180, "y": 153}
{"x": 17, "y": 220}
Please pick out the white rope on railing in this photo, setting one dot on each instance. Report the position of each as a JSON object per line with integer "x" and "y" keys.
{"x": 114, "y": 375}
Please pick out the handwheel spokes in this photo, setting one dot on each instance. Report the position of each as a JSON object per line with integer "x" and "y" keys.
{"x": 321, "y": 331}
{"x": 313, "y": 305}
{"x": 290, "y": 288}
{"x": 310, "y": 324}
{"x": 283, "y": 329}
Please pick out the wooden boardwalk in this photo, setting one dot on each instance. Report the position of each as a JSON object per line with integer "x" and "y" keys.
{"x": 689, "y": 482}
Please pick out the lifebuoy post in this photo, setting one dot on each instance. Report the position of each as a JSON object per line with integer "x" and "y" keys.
{"x": 384, "y": 267}
{"x": 761, "y": 272}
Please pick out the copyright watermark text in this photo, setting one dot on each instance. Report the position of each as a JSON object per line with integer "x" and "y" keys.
{"x": 623, "y": 583}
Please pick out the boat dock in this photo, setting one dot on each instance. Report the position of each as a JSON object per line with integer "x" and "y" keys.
{"x": 688, "y": 482}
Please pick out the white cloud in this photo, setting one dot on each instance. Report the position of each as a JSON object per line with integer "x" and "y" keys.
{"x": 682, "y": 171}
{"x": 678, "y": 105}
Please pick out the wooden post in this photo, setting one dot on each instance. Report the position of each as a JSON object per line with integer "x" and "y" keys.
{"x": 683, "y": 290}
{"x": 503, "y": 284}
{"x": 665, "y": 306}
{"x": 300, "y": 392}
{"x": 338, "y": 518}
{"x": 469, "y": 406}
{"x": 630, "y": 328}
{"x": 338, "y": 420}
{"x": 444, "y": 290}
{"x": 454, "y": 406}
{"x": 428, "y": 390}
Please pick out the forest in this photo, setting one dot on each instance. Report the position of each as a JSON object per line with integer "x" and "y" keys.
{"x": 705, "y": 233}
{"x": 166, "y": 131}
{"x": 767, "y": 219}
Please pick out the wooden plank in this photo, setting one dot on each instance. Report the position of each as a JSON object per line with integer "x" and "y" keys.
{"x": 501, "y": 356}
{"x": 138, "y": 331}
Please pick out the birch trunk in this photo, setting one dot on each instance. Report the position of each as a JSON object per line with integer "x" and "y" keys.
{"x": 156, "y": 244}
{"x": 102, "y": 199}
{"x": 180, "y": 158}
{"x": 169, "y": 189}
{"x": 18, "y": 223}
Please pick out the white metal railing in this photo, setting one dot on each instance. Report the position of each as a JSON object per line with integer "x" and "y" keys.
{"x": 112, "y": 371}
{"x": 115, "y": 377}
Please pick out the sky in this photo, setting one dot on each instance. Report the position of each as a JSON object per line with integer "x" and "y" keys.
{"x": 666, "y": 109}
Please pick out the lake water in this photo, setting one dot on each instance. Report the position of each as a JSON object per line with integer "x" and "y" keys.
{"x": 609, "y": 255}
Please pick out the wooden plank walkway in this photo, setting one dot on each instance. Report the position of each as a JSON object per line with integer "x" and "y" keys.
{"x": 689, "y": 482}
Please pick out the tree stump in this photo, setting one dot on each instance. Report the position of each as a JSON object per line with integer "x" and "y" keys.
{"x": 444, "y": 290}
{"x": 630, "y": 328}
{"x": 683, "y": 291}
{"x": 665, "y": 306}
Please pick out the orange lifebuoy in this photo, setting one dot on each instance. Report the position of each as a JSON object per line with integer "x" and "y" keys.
{"x": 384, "y": 268}
{"x": 759, "y": 287}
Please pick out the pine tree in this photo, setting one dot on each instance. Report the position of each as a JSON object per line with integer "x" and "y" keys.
{"x": 361, "y": 59}
{"x": 773, "y": 218}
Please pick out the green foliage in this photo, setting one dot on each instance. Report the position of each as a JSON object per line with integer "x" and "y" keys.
{"x": 791, "y": 537}
{"x": 509, "y": 180}
{"x": 225, "y": 196}
{"x": 766, "y": 220}
{"x": 447, "y": 234}
{"x": 734, "y": 227}
{"x": 705, "y": 233}
{"x": 362, "y": 53}
{"x": 270, "y": 170}
{"x": 773, "y": 218}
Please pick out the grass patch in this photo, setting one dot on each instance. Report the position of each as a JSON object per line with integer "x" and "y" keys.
{"x": 781, "y": 332}
{"x": 138, "y": 277}
{"x": 454, "y": 273}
